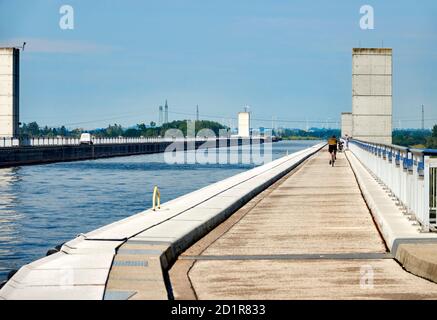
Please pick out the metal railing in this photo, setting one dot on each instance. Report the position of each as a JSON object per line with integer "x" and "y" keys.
{"x": 62, "y": 141}
{"x": 9, "y": 142}
{"x": 433, "y": 194}
{"x": 410, "y": 175}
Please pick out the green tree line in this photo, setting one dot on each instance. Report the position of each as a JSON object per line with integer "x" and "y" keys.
{"x": 313, "y": 134}
{"x": 408, "y": 138}
{"x": 416, "y": 138}
{"x": 33, "y": 130}
{"x": 431, "y": 142}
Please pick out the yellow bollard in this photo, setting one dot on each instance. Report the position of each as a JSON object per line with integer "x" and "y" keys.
{"x": 156, "y": 198}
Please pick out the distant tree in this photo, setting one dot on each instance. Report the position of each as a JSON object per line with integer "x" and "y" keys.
{"x": 132, "y": 133}
{"x": 24, "y": 131}
{"x": 431, "y": 142}
{"x": 314, "y": 133}
{"x": 75, "y": 133}
{"x": 114, "y": 130}
{"x": 141, "y": 127}
{"x": 33, "y": 129}
{"x": 214, "y": 126}
{"x": 411, "y": 137}
{"x": 63, "y": 131}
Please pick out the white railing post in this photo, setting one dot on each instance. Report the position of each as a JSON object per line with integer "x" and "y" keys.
{"x": 429, "y": 185}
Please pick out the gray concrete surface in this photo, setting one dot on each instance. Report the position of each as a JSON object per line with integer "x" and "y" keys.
{"x": 316, "y": 210}
{"x": 419, "y": 259}
{"x": 319, "y": 209}
{"x": 303, "y": 279}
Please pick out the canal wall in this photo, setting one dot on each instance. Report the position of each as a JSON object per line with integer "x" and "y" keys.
{"x": 129, "y": 259}
{"x": 28, "y": 155}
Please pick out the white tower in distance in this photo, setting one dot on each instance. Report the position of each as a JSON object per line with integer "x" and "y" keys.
{"x": 244, "y": 124}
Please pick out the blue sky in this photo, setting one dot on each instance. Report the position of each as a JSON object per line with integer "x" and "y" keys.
{"x": 285, "y": 59}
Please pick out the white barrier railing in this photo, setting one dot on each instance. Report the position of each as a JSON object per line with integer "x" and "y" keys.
{"x": 61, "y": 141}
{"x": 9, "y": 142}
{"x": 409, "y": 174}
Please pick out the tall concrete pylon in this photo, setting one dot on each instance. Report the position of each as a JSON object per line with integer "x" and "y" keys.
{"x": 346, "y": 124}
{"x": 166, "y": 112}
{"x": 423, "y": 117}
{"x": 160, "y": 116}
{"x": 372, "y": 94}
{"x": 9, "y": 92}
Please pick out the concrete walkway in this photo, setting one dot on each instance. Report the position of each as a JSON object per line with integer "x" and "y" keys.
{"x": 309, "y": 236}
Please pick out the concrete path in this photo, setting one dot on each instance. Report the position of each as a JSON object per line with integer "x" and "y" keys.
{"x": 309, "y": 236}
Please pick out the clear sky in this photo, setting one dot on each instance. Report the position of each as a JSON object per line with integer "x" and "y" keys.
{"x": 285, "y": 59}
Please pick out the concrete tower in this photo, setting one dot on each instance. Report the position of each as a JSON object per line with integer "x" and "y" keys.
{"x": 166, "y": 112}
{"x": 346, "y": 124}
{"x": 372, "y": 94}
{"x": 9, "y": 92}
{"x": 244, "y": 124}
{"x": 160, "y": 116}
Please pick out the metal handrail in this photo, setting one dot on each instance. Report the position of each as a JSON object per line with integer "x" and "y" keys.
{"x": 156, "y": 198}
{"x": 392, "y": 146}
{"x": 410, "y": 177}
{"x": 62, "y": 141}
{"x": 430, "y": 152}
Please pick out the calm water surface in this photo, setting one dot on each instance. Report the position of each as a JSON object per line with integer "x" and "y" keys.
{"x": 44, "y": 205}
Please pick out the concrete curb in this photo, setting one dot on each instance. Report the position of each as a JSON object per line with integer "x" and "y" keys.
{"x": 419, "y": 258}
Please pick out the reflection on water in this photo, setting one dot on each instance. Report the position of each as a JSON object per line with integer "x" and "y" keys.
{"x": 10, "y": 218}
{"x": 42, "y": 206}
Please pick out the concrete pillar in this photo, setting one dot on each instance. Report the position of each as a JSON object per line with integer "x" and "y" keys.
{"x": 9, "y": 92}
{"x": 166, "y": 112}
{"x": 346, "y": 124}
{"x": 244, "y": 124}
{"x": 372, "y": 94}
